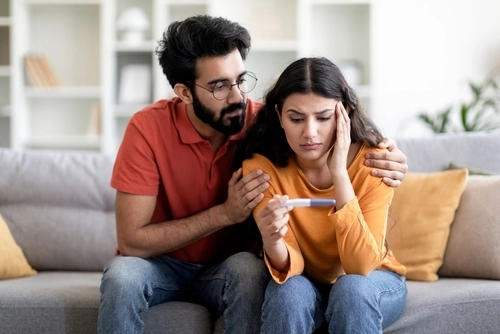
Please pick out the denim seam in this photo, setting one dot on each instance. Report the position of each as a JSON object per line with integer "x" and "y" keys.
{"x": 225, "y": 302}
{"x": 402, "y": 282}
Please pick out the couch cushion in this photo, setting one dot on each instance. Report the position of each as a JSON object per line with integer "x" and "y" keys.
{"x": 450, "y": 306}
{"x": 60, "y": 207}
{"x": 472, "y": 149}
{"x": 473, "y": 248}
{"x": 50, "y": 302}
{"x": 423, "y": 209}
{"x": 68, "y": 302}
{"x": 12, "y": 261}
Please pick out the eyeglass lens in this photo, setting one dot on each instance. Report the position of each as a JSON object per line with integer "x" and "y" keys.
{"x": 246, "y": 83}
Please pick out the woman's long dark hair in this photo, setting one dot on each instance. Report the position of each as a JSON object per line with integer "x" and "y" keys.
{"x": 316, "y": 75}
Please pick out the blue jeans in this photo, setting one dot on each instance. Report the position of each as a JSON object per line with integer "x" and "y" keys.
{"x": 233, "y": 288}
{"x": 354, "y": 304}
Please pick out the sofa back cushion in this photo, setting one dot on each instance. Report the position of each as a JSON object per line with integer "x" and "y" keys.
{"x": 59, "y": 207}
{"x": 477, "y": 150}
{"x": 473, "y": 249}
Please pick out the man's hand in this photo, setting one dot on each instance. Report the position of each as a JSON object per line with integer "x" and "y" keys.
{"x": 244, "y": 194}
{"x": 390, "y": 166}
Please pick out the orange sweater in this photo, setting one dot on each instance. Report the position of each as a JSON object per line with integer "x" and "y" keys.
{"x": 324, "y": 243}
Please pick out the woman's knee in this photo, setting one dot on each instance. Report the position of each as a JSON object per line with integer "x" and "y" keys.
{"x": 353, "y": 286}
{"x": 296, "y": 290}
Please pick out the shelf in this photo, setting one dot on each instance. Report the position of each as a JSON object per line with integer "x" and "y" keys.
{"x": 92, "y": 60}
{"x": 64, "y": 142}
{"x": 5, "y": 71}
{"x": 63, "y": 92}
{"x": 61, "y": 2}
{"x": 127, "y": 110}
{"x": 4, "y": 111}
{"x": 340, "y": 2}
{"x": 5, "y": 21}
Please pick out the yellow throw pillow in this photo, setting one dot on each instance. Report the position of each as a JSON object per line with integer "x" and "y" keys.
{"x": 13, "y": 264}
{"x": 420, "y": 216}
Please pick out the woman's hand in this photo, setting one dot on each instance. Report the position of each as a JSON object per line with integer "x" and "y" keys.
{"x": 337, "y": 158}
{"x": 272, "y": 220}
{"x": 272, "y": 223}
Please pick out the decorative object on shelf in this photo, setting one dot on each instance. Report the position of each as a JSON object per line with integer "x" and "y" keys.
{"x": 133, "y": 23}
{"x": 94, "y": 128}
{"x": 482, "y": 113}
{"x": 39, "y": 71}
{"x": 135, "y": 84}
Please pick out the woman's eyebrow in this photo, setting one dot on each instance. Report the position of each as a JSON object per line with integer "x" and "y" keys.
{"x": 316, "y": 112}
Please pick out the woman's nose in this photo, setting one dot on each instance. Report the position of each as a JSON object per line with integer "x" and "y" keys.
{"x": 310, "y": 129}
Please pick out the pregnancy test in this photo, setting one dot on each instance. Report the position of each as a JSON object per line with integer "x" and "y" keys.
{"x": 307, "y": 202}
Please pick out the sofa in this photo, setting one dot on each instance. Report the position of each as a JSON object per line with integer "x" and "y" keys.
{"x": 59, "y": 209}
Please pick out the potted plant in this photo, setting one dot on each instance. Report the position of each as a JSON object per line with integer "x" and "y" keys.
{"x": 481, "y": 113}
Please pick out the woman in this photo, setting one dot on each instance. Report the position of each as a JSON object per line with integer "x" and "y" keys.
{"x": 330, "y": 265}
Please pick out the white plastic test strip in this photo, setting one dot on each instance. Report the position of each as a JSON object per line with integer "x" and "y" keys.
{"x": 307, "y": 202}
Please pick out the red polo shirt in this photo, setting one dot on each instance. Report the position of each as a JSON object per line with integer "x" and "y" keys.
{"x": 163, "y": 155}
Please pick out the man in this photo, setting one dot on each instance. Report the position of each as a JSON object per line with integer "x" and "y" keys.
{"x": 179, "y": 207}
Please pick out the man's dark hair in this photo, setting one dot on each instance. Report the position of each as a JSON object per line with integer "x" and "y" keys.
{"x": 199, "y": 36}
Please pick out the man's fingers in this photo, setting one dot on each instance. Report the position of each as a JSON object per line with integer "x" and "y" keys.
{"x": 235, "y": 177}
{"x": 388, "y": 174}
{"x": 388, "y": 143}
{"x": 391, "y": 183}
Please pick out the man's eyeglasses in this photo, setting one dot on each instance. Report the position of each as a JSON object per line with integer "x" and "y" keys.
{"x": 221, "y": 90}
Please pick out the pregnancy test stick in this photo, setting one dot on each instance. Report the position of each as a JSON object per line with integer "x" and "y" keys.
{"x": 307, "y": 202}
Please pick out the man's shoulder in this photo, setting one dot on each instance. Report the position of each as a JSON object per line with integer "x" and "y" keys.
{"x": 253, "y": 106}
{"x": 161, "y": 112}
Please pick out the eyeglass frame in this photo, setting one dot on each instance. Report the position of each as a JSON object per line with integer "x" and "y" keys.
{"x": 230, "y": 85}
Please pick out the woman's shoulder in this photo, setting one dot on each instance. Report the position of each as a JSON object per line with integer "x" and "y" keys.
{"x": 366, "y": 148}
{"x": 257, "y": 161}
{"x": 358, "y": 162}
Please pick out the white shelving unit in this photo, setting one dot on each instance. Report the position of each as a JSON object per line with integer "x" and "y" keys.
{"x": 83, "y": 42}
{"x": 5, "y": 73}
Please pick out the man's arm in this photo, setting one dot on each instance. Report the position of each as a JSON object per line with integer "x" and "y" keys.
{"x": 137, "y": 236}
{"x": 390, "y": 166}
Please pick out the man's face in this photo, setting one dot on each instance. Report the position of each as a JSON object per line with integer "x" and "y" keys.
{"x": 226, "y": 116}
{"x": 229, "y": 120}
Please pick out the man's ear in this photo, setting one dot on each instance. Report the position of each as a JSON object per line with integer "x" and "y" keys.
{"x": 278, "y": 113}
{"x": 184, "y": 93}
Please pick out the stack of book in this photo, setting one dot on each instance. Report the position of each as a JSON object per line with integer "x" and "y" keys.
{"x": 39, "y": 71}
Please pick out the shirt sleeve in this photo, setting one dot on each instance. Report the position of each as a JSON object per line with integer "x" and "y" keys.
{"x": 296, "y": 259}
{"x": 361, "y": 229}
{"x": 135, "y": 170}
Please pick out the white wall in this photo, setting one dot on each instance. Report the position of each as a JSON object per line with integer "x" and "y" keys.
{"x": 423, "y": 54}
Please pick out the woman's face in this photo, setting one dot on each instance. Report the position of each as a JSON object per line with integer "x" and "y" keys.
{"x": 309, "y": 124}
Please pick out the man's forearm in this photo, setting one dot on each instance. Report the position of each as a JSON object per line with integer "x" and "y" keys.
{"x": 159, "y": 238}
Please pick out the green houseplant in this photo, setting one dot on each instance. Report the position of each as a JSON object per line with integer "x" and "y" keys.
{"x": 481, "y": 113}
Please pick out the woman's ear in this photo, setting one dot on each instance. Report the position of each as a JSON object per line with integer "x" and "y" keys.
{"x": 184, "y": 93}
{"x": 278, "y": 113}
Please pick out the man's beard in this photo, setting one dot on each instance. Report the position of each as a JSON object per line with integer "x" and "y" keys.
{"x": 230, "y": 126}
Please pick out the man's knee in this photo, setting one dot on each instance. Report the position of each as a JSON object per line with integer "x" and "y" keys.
{"x": 123, "y": 274}
{"x": 246, "y": 265}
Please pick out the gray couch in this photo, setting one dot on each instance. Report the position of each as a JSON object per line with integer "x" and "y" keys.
{"x": 59, "y": 208}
